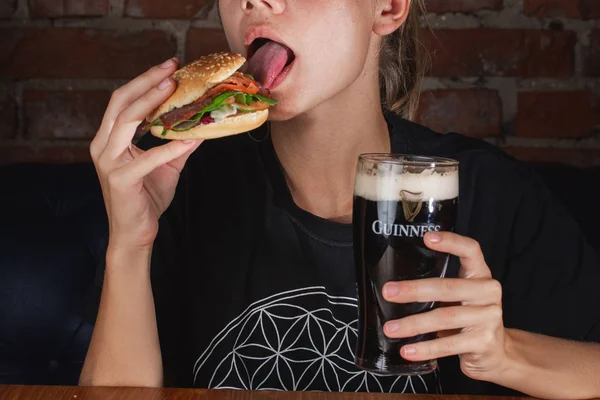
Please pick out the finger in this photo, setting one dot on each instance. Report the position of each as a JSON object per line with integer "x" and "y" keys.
{"x": 466, "y": 342}
{"x": 179, "y": 162}
{"x": 127, "y": 93}
{"x": 137, "y": 169}
{"x": 471, "y": 291}
{"x": 128, "y": 120}
{"x": 441, "y": 319}
{"x": 136, "y": 151}
{"x": 473, "y": 264}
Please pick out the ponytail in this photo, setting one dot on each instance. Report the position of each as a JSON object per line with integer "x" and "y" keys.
{"x": 401, "y": 67}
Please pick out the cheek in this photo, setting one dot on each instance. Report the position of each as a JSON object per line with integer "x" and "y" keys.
{"x": 337, "y": 49}
{"x": 331, "y": 61}
{"x": 231, "y": 16}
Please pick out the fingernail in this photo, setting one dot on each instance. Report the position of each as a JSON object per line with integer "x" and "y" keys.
{"x": 409, "y": 351}
{"x": 434, "y": 237}
{"x": 188, "y": 141}
{"x": 392, "y": 326}
{"x": 164, "y": 84}
{"x": 391, "y": 290}
{"x": 167, "y": 64}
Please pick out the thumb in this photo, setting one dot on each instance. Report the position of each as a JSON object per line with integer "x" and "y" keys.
{"x": 180, "y": 161}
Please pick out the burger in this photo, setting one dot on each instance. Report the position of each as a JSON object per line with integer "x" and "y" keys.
{"x": 212, "y": 100}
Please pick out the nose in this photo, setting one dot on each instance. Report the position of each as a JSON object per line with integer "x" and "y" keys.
{"x": 271, "y": 6}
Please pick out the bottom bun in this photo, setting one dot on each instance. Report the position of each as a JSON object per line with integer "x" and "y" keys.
{"x": 239, "y": 123}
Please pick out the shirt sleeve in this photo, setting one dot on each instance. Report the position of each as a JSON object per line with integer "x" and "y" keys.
{"x": 552, "y": 280}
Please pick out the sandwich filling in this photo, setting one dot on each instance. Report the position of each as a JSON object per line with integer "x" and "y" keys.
{"x": 239, "y": 93}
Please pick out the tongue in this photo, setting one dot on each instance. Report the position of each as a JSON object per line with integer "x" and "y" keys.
{"x": 268, "y": 62}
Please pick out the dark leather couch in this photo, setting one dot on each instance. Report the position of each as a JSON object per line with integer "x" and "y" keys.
{"x": 53, "y": 235}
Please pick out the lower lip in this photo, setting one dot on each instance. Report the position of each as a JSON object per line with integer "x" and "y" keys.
{"x": 281, "y": 77}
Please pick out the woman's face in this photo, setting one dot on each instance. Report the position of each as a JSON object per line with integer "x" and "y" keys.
{"x": 329, "y": 42}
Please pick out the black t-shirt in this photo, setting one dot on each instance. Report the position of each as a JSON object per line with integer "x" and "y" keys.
{"x": 253, "y": 292}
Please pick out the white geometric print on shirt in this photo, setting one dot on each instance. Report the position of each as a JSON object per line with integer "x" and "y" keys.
{"x": 284, "y": 342}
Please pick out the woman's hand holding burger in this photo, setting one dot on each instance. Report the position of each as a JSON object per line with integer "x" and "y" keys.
{"x": 137, "y": 185}
{"x": 205, "y": 99}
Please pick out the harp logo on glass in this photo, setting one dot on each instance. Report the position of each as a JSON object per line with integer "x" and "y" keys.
{"x": 412, "y": 203}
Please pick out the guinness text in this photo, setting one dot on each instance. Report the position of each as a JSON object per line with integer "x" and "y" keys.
{"x": 381, "y": 228}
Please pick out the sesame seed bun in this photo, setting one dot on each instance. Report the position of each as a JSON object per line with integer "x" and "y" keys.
{"x": 194, "y": 80}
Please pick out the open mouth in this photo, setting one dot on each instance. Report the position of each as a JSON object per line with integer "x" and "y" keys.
{"x": 269, "y": 61}
{"x": 255, "y": 45}
{"x": 260, "y": 42}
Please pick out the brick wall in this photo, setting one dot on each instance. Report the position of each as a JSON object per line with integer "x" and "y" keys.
{"x": 523, "y": 74}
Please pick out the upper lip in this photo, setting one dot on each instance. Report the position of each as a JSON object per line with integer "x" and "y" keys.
{"x": 260, "y": 32}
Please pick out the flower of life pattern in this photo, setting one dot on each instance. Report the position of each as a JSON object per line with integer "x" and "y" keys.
{"x": 278, "y": 343}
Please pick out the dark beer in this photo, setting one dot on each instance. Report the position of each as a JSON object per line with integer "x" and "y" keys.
{"x": 392, "y": 214}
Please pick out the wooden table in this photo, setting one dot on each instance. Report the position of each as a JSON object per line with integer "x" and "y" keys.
{"x": 95, "y": 393}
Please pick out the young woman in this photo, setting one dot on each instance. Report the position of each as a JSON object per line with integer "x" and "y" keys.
{"x": 250, "y": 275}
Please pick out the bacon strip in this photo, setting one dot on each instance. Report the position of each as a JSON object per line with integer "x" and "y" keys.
{"x": 171, "y": 119}
{"x": 237, "y": 82}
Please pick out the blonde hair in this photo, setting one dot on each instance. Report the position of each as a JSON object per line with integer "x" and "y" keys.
{"x": 401, "y": 65}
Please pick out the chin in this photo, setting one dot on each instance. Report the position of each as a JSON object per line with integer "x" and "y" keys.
{"x": 285, "y": 111}
{"x": 282, "y": 115}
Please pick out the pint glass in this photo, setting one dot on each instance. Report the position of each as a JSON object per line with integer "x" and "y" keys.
{"x": 397, "y": 200}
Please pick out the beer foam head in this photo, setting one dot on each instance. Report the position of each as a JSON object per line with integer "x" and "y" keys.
{"x": 377, "y": 185}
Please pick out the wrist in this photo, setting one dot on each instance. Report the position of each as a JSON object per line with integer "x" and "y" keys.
{"x": 513, "y": 369}
{"x": 123, "y": 257}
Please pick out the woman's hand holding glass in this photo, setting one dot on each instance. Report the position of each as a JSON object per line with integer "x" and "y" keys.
{"x": 472, "y": 327}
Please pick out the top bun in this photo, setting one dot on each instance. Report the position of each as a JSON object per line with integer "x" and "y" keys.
{"x": 196, "y": 78}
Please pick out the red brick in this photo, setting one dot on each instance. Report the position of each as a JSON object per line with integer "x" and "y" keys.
{"x": 575, "y": 157}
{"x": 13, "y": 154}
{"x": 501, "y": 52}
{"x": 461, "y": 6}
{"x": 552, "y": 8}
{"x": 592, "y": 55}
{"x": 562, "y": 8}
{"x": 67, "y": 8}
{"x": 204, "y": 41}
{"x": 590, "y": 8}
{"x": 8, "y": 114}
{"x": 176, "y": 9}
{"x": 7, "y": 8}
{"x": 81, "y": 53}
{"x": 63, "y": 114}
{"x": 557, "y": 114}
{"x": 473, "y": 112}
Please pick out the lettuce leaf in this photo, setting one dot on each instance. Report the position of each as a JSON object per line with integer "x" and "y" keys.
{"x": 263, "y": 99}
{"x": 218, "y": 102}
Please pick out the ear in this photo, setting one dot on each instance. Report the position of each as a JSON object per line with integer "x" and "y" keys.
{"x": 391, "y": 14}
